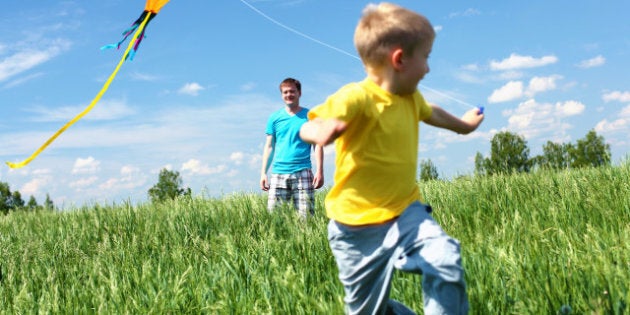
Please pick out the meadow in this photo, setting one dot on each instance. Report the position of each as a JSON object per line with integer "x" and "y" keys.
{"x": 539, "y": 243}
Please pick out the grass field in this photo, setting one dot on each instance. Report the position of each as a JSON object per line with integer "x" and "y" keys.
{"x": 541, "y": 243}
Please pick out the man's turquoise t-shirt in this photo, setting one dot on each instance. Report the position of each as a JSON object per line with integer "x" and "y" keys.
{"x": 291, "y": 154}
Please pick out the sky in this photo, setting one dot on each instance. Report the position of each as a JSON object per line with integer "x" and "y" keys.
{"x": 197, "y": 95}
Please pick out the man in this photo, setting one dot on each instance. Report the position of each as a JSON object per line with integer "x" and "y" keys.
{"x": 291, "y": 177}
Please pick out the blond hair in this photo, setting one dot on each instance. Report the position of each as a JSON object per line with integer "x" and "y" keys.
{"x": 386, "y": 26}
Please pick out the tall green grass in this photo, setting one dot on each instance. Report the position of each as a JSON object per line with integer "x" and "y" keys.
{"x": 542, "y": 243}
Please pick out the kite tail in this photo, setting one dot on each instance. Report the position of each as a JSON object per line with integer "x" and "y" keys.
{"x": 133, "y": 28}
{"x": 138, "y": 31}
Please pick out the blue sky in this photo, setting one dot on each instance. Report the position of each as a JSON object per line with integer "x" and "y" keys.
{"x": 197, "y": 95}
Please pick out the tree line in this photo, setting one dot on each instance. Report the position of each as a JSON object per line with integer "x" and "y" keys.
{"x": 509, "y": 154}
{"x": 12, "y": 201}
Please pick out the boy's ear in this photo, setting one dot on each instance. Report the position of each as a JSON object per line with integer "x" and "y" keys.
{"x": 397, "y": 58}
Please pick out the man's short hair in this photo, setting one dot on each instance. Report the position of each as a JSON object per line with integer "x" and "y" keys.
{"x": 292, "y": 81}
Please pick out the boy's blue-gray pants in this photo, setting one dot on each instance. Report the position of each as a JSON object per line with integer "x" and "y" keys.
{"x": 367, "y": 256}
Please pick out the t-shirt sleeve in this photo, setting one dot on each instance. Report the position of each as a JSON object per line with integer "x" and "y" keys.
{"x": 343, "y": 104}
{"x": 269, "y": 130}
{"x": 424, "y": 109}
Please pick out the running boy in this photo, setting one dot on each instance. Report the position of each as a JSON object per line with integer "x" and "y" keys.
{"x": 378, "y": 221}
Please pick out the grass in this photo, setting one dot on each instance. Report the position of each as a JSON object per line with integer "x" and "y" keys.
{"x": 541, "y": 243}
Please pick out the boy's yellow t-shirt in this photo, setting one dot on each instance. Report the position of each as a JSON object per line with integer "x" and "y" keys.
{"x": 375, "y": 175}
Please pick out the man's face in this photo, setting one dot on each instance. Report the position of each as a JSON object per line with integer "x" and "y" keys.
{"x": 290, "y": 94}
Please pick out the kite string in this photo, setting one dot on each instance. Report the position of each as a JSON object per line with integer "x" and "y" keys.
{"x": 92, "y": 104}
{"x": 292, "y": 30}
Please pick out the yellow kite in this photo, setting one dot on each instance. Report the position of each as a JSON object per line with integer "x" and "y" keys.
{"x": 151, "y": 8}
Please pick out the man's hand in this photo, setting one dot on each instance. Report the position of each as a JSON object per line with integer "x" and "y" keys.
{"x": 318, "y": 180}
{"x": 264, "y": 182}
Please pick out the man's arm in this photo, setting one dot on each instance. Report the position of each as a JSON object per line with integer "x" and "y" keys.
{"x": 318, "y": 178}
{"x": 266, "y": 162}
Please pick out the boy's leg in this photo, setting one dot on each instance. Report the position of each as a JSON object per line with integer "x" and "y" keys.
{"x": 304, "y": 193}
{"x": 278, "y": 190}
{"x": 364, "y": 259}
{"x": 425, "y": 248}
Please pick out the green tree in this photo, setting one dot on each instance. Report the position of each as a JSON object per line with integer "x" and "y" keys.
{"x": 17, "y": 202}
{"x": 48, "y": 204}
{"x": 591, "y": 150}
{"x": 32, "y": 205}
{"x": 168, "y": 187}
{"x": 480, "y": 164}
{"x": 428, "y": 171}
{"x": 508, "y": 154}
{"x": 6, "y": 198}
{"x": 555, "y": 156}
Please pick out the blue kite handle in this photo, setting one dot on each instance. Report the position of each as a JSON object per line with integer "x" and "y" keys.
{"x": 480, "y": 110}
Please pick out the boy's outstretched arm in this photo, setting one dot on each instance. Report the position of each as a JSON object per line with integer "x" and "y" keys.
{"x": 322, "y": 131}
{"x": 443, "y": 119}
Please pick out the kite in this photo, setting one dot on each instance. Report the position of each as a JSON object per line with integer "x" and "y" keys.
{"x": 151, "y": 8}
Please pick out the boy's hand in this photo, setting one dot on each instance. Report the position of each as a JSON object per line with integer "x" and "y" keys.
{"x": 473, "y": 117}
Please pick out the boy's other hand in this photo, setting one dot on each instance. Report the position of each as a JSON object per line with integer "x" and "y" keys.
{"x": 322, "y": 131}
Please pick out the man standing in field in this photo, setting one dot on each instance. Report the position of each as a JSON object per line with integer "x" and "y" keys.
{"x": 291, "y": 177}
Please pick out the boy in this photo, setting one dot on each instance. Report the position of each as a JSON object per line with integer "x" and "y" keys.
{"x": 378, "y": 221}
{"x": 291, "y": 177}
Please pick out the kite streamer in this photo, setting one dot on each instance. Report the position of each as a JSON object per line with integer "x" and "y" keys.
{"x": 139, "y": 30}
{"x": 146, "y": 15}
{"x": 151, "y": 8}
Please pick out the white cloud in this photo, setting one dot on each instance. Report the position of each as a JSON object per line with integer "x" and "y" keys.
{"x": 129, "y": 170}
{"x": 516, "y": 61}
{"x": 516, "y": 89}
{"x": 83, "y": 182}
{"x": 438, "y": 28}
{"x": 144, "y": 77}
{"x": 131, "y": 177}
{"x": 471, "y": 67}
{"x": 194, "y": 167}
{"x": 593, "y": 62}
{"x": 29, "y": 58}
{"x": 248, "y": 86}
{"x": 623, "y": 97}
{"x": 510, "y": 91}
{"x": 622, "y": 123}
{"x": 569, "y": 108}
{"x": 23, "y": 80}
{"x": 34, "y": 186}
{"x": 467, "y": 12}
{"x": 86, "y": 166}
{"x": 605, "y": 126}
{"x": 541, "y": 84}
{"x": 255, "y": 160}
{"x": 508, "y": 75}
{"x": 532, "y": 119}
{"x": 237, "y": 157}
{"x": 191, "y": 89}
{"x": 523, "y": 116}
{"x": 104, "y": 110}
